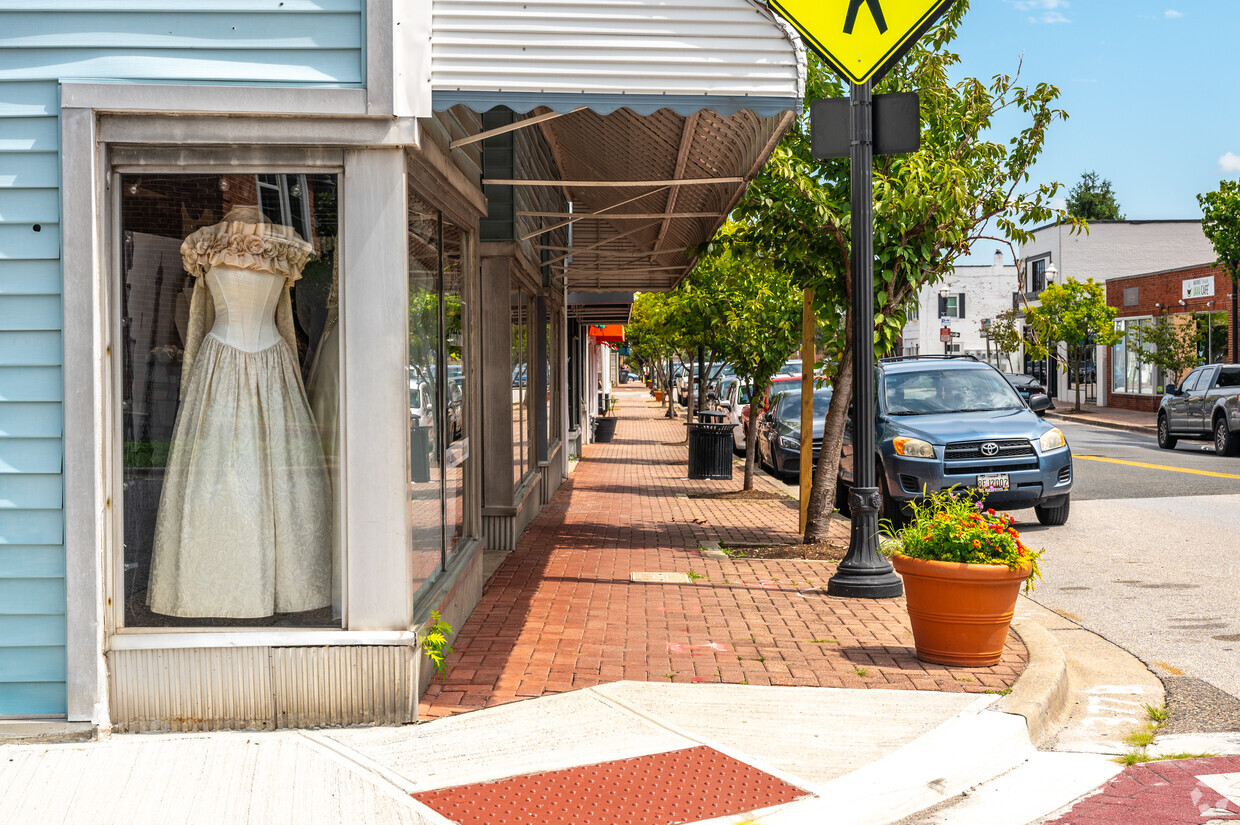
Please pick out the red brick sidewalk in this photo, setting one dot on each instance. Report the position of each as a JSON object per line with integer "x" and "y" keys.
{"x": 1180, "y": 792}
{"x": 561, "y": 612}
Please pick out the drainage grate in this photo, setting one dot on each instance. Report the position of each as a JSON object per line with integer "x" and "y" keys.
{"x": 682, "y": 786}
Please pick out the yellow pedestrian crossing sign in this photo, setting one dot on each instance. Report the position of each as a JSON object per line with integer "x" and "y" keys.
{"x": 861, "y": 39}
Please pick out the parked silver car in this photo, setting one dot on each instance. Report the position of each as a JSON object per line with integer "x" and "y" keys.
{"x": 1206, "y": 404}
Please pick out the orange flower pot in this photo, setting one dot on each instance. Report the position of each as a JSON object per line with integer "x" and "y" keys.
{"x": 658, "y": 395}
{"x": 960, "y": 612}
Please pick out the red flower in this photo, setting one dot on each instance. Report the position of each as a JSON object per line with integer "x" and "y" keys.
{"x": 990, "y": 512}
{"x": 976, "y": 543}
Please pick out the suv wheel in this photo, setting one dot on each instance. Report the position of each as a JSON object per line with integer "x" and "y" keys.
{"x": 1224, "y": 442}
{"x": 890, "y": 509}
{"x": 1053, "y": 516}
{"x": 1166, "y": 440}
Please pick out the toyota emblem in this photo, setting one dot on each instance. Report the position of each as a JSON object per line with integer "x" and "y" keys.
{"x": 990, "y": 448}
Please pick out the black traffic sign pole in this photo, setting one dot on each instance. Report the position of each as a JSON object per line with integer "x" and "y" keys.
{"x": 863, "y": 573}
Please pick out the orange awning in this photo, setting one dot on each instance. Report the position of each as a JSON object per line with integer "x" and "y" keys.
{"x": 608, "y": 334}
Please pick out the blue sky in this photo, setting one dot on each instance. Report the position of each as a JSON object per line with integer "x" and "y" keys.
{"x": 1150, "y": 88}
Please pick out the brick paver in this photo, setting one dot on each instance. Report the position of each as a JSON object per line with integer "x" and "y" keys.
{"x": 1179, "y": 792}
{"x": 561, "y": 612}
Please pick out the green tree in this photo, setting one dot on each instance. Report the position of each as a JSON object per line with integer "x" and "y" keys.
{"x": 1220, "y": 221}
{"x": 967, "y": 183}
{"x": 1092, "y": 199}
{"x": 1075, "y": 315}
{"x": 652, "y": 341}
{"x": 1170, "y": 343}
{"x": 1005, "y": 335}
{"x": 760, "y": 322}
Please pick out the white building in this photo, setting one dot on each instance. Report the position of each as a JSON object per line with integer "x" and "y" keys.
{"x": 974, "y": 296}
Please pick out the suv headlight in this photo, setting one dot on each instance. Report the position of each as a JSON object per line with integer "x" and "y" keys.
{"x": 913, "y": 447}
{"x": 1053, "y": 439}
{"x": 789, "y": 443}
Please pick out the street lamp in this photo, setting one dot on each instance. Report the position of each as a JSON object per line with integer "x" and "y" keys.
{"x": 1050, "y": 273}
{"x": 947, "y": 344}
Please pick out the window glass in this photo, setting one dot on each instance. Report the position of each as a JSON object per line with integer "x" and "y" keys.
{"x": 454, "y": 409}
{"x": 1038, "y": 280}
{"x": 952, "y": 304}
{"x": 520, "y": 384}
{"x": 426, "y": 434}
{"x": 1145, "y": 371}
{"x": 230, "y": 379}
{"x": 1229, "y": 377}
{"x": 1190, "y": 383}
{"x": 1119, "y": 360}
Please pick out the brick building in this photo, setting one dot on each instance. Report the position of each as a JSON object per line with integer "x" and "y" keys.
{"x": 1201, "y": 291}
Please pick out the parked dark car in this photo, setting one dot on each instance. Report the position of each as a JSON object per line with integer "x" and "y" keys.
{"x": 1027, "y": 386}
{"x": 1203, "y": 406}
{"x": 779, "y": 430}
{"x": 948, "y": 422}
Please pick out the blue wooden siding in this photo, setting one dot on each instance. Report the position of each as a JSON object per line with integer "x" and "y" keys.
{"x": 42, "y": 43}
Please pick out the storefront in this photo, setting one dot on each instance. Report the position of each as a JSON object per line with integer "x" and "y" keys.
{"x": 288, "y": 345}
{"x": 1193, "y": 298}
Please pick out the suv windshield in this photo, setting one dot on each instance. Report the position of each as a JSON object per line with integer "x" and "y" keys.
{"x": 932, "y": 391}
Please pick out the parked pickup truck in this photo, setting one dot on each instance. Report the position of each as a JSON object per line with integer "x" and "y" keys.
{"x": 1203, "y": 406}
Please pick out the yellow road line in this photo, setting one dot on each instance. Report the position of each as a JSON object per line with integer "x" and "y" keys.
{"x": 1156, "y": 466}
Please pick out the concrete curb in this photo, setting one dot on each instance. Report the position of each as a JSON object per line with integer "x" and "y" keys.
{"x": 1043, "y": 691}
{"x": 1140, "y": 429}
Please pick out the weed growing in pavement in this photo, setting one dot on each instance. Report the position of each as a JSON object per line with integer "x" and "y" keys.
{"x": 1003, "y": 692}
{"x": 671, "y": 677}
{"x": 759, "y": 658}
{"x": 1140, "y": 740}
{"x": 824, "y": 641}
{"x": 860, "y": 671}
{"x": 963, "y": 678}
{"x": 695, "y": 575}
{"x": 435, "y": 644}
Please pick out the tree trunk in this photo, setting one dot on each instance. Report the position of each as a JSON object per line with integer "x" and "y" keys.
{"x": 822, "y": 491}
{"x": 751, "y": 448}
{"x": 668, "y": 389}
{"x": 690, "y": 386}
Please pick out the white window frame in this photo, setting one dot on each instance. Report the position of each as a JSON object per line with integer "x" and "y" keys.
{"x": 371, "y": 153}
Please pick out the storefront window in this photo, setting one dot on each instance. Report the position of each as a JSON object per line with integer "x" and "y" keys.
{"x": 426, "y": 436}
{"x": 229, "y": 387}
{"x": 438, "y": 449}
{"x": 521, "y": 385}
{"x": 1211, "y": 337}
{"x": 1128, "y": 373}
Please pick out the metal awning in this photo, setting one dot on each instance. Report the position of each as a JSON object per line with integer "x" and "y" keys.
{"x": 657, "y": 116}
{"x": 600, "y": 307}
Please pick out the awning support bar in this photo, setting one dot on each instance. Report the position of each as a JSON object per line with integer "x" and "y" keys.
{"x": 511, "y": 127}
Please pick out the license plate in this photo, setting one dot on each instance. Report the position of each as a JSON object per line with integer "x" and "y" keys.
{"x": 992, "y": 482}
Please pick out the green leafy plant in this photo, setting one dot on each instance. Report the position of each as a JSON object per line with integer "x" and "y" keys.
{"x": 955, "y": 526}
{"x": 695, "y": 575}
{"x": 436, "y": 644}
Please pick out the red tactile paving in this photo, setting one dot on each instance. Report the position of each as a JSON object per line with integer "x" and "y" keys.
{"x": 1160, "y": 793}
{"x": 682, "y": 786}
{"x": 561, "y": 613}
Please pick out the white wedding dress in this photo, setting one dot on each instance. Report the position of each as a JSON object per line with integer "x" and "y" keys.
{"x": 245, "y": 517}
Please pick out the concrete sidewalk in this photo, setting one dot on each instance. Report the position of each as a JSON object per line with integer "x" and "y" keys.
{"x": 705, "y": 689}
{"x": 1112, "y": 418}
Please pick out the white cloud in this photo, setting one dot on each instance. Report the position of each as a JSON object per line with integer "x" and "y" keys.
{"x": 1059, "y": 203}
{"x": 1172, "y": 14}
{"x": 1044, "y": 11}
{"x": 1229, "y": 162}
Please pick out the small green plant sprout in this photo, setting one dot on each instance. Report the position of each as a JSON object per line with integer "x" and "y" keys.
{"x": 1003, "y": 692}
{"x": 1141, "y": 738}
{"x": 695, "y": 575}
{"x": 671, "y": 677}
{"x": 861, "y": 671}
{"x": 824, "y": 641}
{"x": 435, "y": 644}
{"x": 1158, "y": 714}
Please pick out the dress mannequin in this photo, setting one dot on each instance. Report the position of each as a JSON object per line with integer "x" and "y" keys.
{"x": 244, "y": 525}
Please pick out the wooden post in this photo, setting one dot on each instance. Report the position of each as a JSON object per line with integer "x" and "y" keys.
{"x": 808, "y": 358}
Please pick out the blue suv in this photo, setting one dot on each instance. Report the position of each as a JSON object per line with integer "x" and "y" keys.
{"x": 955, "y": 421}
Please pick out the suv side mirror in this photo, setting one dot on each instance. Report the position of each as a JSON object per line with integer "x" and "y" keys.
{"x": 1171, "y": 389}
{"x": 1039, "y": 402}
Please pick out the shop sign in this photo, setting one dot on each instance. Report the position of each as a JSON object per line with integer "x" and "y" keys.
{"x": 1197, "y": 288}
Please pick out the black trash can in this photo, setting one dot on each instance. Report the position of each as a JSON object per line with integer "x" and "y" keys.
{"x": 604, "y": 429}
{"x": 710, "y": 451}
{"x": 420, "y": 453}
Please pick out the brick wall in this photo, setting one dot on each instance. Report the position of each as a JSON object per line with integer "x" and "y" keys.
{"x": 1159, "y": 293}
